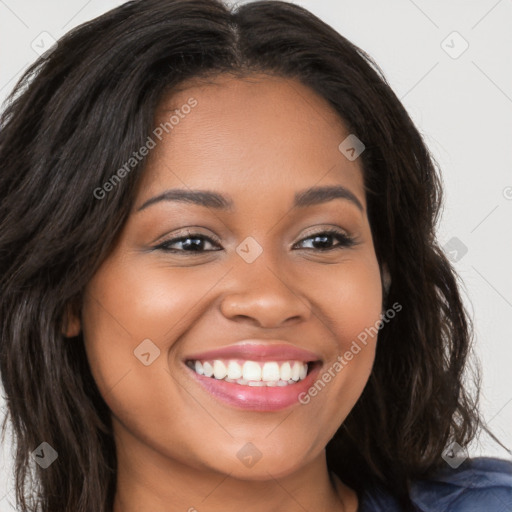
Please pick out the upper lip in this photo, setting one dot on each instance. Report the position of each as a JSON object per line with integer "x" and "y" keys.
{"x": 257, "y": 350}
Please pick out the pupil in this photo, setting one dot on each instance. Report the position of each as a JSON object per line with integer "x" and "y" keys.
{"x": 322, "y": 240}
{"x": 194, "y": 245}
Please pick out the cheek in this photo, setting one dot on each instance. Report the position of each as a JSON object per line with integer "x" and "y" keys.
{"x": 123, "y": 309}
{"x": 139, "y": 302}
{"x": 349, "y": 302}
{"x": 349, "y": 299}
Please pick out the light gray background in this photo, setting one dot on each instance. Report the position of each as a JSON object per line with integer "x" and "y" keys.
{"x": 462, "y": 105}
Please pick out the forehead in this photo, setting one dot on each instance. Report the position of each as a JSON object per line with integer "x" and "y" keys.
{"x": 259, "y": 132}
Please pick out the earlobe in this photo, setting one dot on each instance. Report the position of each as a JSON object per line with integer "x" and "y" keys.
{"x": 71, "y": 325}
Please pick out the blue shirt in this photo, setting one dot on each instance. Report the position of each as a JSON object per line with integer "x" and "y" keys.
{"x": 482, "y": 484}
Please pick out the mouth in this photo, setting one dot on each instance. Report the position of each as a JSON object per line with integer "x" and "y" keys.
{"x": 268, "y": 378}
{"x": 252, "y": 373}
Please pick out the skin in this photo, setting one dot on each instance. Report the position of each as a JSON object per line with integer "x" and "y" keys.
{"x": 258, "y": 141}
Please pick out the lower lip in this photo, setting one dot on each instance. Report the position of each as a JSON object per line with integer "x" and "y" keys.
{"x": 257, "y": 398}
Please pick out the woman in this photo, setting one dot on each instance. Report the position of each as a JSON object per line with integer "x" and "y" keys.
{"x": 209, "y": 217}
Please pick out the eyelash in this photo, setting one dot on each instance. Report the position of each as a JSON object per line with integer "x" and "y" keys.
{"x": 345, "y": 241}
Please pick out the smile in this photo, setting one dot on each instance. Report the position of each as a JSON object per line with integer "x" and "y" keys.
{"x": 252, "y": 373}
{"x": 255, "y": 375}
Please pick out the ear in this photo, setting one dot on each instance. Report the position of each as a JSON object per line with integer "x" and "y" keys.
{"x": 386, "y": 279}
{"x": 71, "y": 324}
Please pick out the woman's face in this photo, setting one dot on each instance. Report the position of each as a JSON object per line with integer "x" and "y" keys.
{"x": 247, "y": 268}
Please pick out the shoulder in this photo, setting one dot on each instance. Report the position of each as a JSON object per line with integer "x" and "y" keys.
{"x": 478, "y": 484}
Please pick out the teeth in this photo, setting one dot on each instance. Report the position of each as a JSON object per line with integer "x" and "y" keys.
{"x": 207, "y": 369}
{"x": 219, "y": 369}
{"x": 295, "y": 371}
{"x": 252, "y": 373}
{"x": 198, "y": 367}
{"x": 234, "y": 370}
{"x": 286, "y": 371}
{"x": 257, "y": 383}
{"x": 270, "y": 372}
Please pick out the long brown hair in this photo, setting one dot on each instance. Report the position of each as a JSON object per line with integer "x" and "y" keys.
{"x": 79, "y": 113}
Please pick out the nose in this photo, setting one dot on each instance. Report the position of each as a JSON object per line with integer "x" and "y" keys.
{"x": 264, "y": 297}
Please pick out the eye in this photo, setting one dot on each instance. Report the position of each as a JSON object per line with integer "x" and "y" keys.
{"x": 189, "y": 243}
{"x": 323, "y": 240}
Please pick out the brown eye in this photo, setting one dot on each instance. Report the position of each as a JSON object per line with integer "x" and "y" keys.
{"x": 193, "y": 242}
{"x": 324, "y": 241}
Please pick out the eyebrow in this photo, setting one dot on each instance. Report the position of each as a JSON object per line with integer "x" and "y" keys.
{"x": 209, "y": 199}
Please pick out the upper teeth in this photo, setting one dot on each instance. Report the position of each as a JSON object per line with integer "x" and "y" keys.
{"x": 252, "y": 371}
